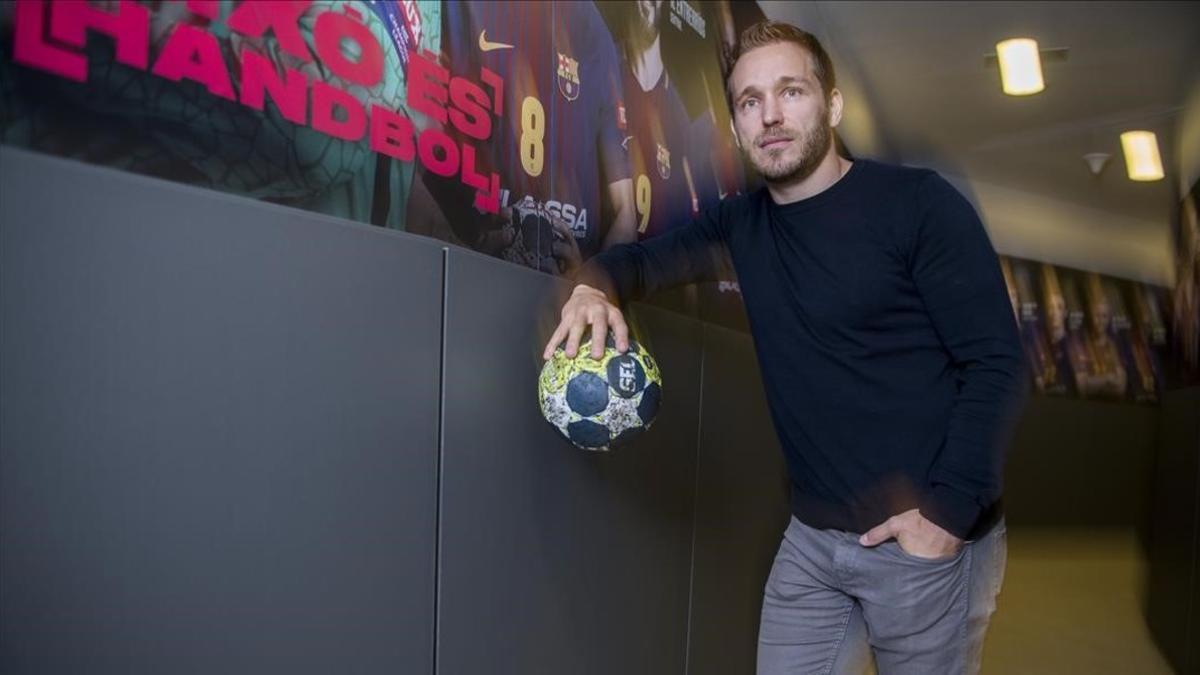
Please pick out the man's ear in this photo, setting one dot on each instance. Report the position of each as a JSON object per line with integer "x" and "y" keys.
{"x": 835, "y": 107}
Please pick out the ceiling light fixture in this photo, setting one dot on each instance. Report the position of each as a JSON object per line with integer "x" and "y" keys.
{"x": 1020, "y": 66}
{"x": 1142, "y": 160}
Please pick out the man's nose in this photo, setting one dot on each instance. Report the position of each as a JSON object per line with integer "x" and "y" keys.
{"x": 771, "y": 113}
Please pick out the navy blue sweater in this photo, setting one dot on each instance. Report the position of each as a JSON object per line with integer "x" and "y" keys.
{"x": 886, "y": 340}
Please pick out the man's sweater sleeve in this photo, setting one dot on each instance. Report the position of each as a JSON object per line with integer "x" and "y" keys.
{"x": 695, "y": 252}
{"x": 958, "y": 276}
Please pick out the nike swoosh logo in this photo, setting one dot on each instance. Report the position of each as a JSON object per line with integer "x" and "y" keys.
{"x": 486, "y": 46}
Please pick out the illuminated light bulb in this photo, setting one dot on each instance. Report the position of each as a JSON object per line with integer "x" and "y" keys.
{"x": 1142, "y": 160}
{"x": 1020, "y": 66}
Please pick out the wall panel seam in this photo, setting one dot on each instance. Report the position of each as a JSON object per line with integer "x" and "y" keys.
{"x": 441, "y": 443}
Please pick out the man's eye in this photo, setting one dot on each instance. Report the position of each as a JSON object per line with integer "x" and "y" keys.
{"x": 748, "y": 103}
{"x": 791, "y": 92}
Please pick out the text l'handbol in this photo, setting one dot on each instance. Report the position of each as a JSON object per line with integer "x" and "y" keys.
{"x": 51, "y": 36}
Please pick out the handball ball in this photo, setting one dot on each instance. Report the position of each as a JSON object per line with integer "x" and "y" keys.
{"x": 600, "y": 404}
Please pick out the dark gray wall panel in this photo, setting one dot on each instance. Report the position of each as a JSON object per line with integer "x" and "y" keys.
{"x": 1173, "y": 607}
{"x": 554, "y": 559}
{"x": 218, "y": 432}
{"x": 1079, "y": 463}
{"x": 741, "y": 507}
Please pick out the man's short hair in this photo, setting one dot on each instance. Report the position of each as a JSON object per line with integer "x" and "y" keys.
{"x": 766, "y": 33}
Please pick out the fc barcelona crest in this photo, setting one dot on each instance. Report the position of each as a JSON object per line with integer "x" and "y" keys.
{"x": 568, "y": 77}
{"x": 664, "y": 161}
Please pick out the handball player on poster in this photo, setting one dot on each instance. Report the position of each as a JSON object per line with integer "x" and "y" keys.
{"x": 565, "y": 187}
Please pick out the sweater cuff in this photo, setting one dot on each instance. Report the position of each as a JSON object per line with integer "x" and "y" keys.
{"x": 594, "y": 275}
{"x": 951, "y": 510}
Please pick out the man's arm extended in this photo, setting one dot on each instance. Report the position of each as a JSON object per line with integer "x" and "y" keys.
{"x": 958, "y": 276}
{"x": 695, "y": 252}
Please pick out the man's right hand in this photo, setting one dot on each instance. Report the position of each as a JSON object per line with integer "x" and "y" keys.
{"x": 588, "y": 306}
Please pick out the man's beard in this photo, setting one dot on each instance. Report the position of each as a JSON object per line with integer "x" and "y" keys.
{"x": 815, "y": 146}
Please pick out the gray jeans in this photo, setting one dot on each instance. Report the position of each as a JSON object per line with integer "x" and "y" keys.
{"x": 829, "y": 601}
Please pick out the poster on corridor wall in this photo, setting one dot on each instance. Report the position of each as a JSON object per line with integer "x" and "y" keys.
{"x": 1088, "y": 335}
{"x": 1185, "y": 300}
{"x": 536, "y": 132}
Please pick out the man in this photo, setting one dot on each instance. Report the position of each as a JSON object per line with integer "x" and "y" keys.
{"x": 892, "y": 367}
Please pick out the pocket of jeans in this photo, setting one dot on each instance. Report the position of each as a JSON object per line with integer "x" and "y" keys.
{"x": 1000, "y": 553}
{"x": 895, "y": 544}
